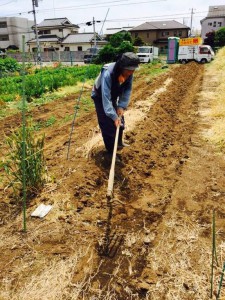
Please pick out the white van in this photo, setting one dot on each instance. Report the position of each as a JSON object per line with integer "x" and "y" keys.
{"x": 199, "y": 53}
{"x": 146, "y": 54}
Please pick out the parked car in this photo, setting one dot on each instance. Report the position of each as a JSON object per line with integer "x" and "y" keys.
{"x": 2, "y": 54}
{"x": 147, "y": 53}
{"x": 89, "y": 58}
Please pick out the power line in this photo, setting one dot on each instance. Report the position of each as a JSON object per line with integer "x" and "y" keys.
{"x": 151, "y": 17}
{"x": 87, "y": 6}
{"x": 170, "y": 16}
{"x": 7, "y": 3}
{"x": 97, "y": 5}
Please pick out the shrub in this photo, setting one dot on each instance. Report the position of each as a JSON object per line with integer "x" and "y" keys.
{"x": 220, "y": 37}
{"x": 7, "y": 65}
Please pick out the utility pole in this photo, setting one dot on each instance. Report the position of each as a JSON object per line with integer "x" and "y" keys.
{"x": 35, "y": 4}
{"x": 93, "y": 23}
{"x": 192, "y": 12}
{"x": 94, "y": 32}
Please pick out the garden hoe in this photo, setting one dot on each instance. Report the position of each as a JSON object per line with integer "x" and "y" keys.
{"x": 112, "y": 170}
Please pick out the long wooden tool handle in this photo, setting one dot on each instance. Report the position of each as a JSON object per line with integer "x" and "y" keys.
{"x": 112, "y": 169}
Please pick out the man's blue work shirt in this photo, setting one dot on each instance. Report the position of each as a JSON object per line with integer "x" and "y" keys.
{"x": 106, "y": 92}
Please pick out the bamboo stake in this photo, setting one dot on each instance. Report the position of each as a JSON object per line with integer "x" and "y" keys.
{"x": 214, "y": 255}
{"x": 221, "y": 281}
{"x": 24, "y": 139}
{"x": 214, "y": 237}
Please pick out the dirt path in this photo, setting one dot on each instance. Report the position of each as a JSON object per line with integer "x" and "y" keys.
{"x": 153, "y": 241}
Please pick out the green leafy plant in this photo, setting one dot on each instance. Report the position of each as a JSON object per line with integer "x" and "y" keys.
{"x": 220, "y": 37}
{"x": 46, "y": 80}
{"x": 8, "y": 65}
{"x": 35, "y": 167}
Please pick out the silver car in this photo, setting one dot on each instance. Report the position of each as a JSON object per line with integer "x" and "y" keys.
{"x": 2, "y": 54}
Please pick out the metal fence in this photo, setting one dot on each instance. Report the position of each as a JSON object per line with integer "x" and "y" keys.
{"x": 50, "y": 56}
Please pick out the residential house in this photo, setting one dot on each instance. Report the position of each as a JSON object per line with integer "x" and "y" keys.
{"x": 82, "y": 41}
{"x": 156, "y": 33}
{"x": 214, "y": 20}
{"x": 60, "y": 34}
{"x": 51, "y": 33}
{"x": 11, "y": 31}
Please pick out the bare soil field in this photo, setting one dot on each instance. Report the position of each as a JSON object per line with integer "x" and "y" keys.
{"x": 154, "y": 239}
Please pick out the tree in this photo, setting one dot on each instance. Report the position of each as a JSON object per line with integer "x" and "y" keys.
{"x": 125, "y": 46}
{"x": 220, "y": 37}
{"x": 118, "y": 43}
{"x": 116, "y": 39}
{"x": 138, "y": 41}
{"x": 210, "y": 39}
{"x": 106, "y": 54}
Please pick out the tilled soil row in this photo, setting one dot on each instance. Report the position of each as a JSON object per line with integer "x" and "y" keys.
{"x": 144, "y": 184}
{"x": 123, "y": 231}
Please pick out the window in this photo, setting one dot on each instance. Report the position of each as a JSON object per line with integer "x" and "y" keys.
{"x": 220, "y": 24}
{"x": 3, "y": 25}
{"x": 4, "y": 37}
{"x": 147, "y": 34}
{"x": 204, "y": 50}
{"x": 67, "y": 49}
{"x": 79, "y": 48}
{"x": 210, "y": 23}
{"x": 180, "y": 33}
{"x": 60, "y": 30}
{"x": 214, "y": 24}
{"x": 136, "y": 34}
{"x": 44, "y": 32}
{"x": 164, "y": 33}
{"x": 174, "y": 33}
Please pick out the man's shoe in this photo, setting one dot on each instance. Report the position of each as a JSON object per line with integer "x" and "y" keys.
{"x": 118, "y": 159}
{"x": 122, "y": 145}
{"x": 108, "y": 158}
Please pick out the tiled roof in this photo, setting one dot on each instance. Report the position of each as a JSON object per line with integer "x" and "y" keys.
{"x": 80, "y": 38}
{"x": 116, "y": 30}
{"x": 56, "y": 22}
{"x": 160, "y": 25}
{"x": 46, "y": 38}
{"x": 216, "y": 11}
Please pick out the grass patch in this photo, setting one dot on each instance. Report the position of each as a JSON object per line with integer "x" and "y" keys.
{"x": 36, "y": 126}
{"x": 216, "y": 71}
{"x": 153, "y": 69}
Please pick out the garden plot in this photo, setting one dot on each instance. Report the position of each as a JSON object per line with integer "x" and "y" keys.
{"x": 153, "y": 241}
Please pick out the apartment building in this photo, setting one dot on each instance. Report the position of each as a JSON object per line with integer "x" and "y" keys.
{"x": 11, "y": 31}
{"x": 214, "y": 20}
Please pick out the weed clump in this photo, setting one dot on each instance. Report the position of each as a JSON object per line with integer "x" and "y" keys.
{"x": 33, "y": 162}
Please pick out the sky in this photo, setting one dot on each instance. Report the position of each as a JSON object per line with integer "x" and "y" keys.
{"x": 111, "y": 13}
